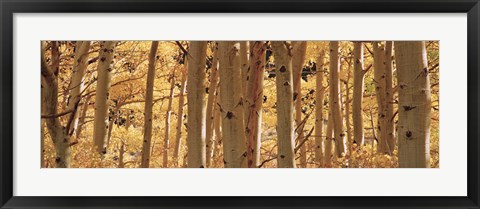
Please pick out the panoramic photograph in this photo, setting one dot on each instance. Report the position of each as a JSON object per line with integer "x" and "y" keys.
{"x": 240, "y": 104}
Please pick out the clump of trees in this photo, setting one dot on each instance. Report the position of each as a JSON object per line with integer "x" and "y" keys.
{"x": 240, "y": 104}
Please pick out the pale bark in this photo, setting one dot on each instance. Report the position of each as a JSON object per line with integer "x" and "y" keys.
{"x": 49, "y": 92}
{"x": 196, "y": 111}
{"x": 76, "y": 84}
{"x": 244, "y": 66}
{"x": 181, "y": 104}
{"x": 319, "y": 100}
{"x": 166, "y": 140}
{"x": 379, "y": 77}
{"x": 347, "y": 110}
{"x": 358, "y": 88}
{"x": 232, "y": 106}
{"x": 217, "y": 124}
{"x": 414, "y": 104}
{"x": 81, "y": 117}
{"x": 329, "y": 135}
{"x": 389, "y": 122}
{"x": 335, "y": 91}
{"x": 212, "y": 91}
{"x": 147, "y": 129}
{"x": 298, "y": 58}
{"x": 254, "y": 100}
{"x": 104, "y": 68}
{"x": 284, "y": 83}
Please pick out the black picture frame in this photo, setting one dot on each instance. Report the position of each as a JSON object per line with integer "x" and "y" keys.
{"x": 9, "y": 7}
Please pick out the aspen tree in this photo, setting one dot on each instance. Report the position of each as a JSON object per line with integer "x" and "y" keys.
{"x": 104, "y": 68}
{"x": 244, "y": 66}
{"x": 347, "y": 110}
{"x": 76, "y": 84}
{"x": 358, "y": 88}
{"x": 166, "y": 141}
{"x": 232, "y": 106}
{"x": 414, "y": 104}
{"x": 298, "y": 58}
{"x": 284, "y": 83}
{"x": 380, "y": 86}
{"x": 319, "y": 99}
{"x": 181, "y": 104}
{"x": 389, "y": 122}
{"x": 81, "y": 117}
{"x": 339, "y": 136}
{"x": 196, "y": 157}
{"x": 254, "y": 100}
{"x": 329, "y": 135}
{"x": 49, "y": 91}
{"x": 147, "y": 129}
{"x": 212, "y": 91}
{"x": 217, "y": 124}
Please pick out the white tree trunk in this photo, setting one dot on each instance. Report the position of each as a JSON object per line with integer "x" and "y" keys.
{"x": 181, "y": 104}
{"x": 414, "y": 104}
{"x": 104, "y": 68}
{"x": 231, "y": 102}
{"x": 212, "y": 91}
{"x": 81, "y": 117}
{"x": 329, "y": 135}
{"x": 335, "y": 92}
{"x": 166, "y": 141}
{"x": 298, "y": 59}
{"x": 348, "y": 110}
{"x": 50, "y": 108}
{"x": 196, "y": 105}
{"x": 284, "y": 83}
{"x": 319, "y": 100}
{"x": 76, "y": 84}
{"x": 244, "y": 66}
{"x": 358, "y": 88}
{"x": 380, "y": 86}
{"x": 389, "y": 122}
{"x": 254, "y": 99}
{"x": 147, "y": 129}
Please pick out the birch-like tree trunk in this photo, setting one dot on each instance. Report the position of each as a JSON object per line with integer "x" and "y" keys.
{"x": 284, "y": 83}
{"x": 347, "y": 109}
{"x": 244, "y": 66}
{"x": 217, "y": 125}
{"x": 380, "y": 86}
{"x": 414, "y": 104}
{"x": 147, "y": 129}
{"x": 319, "y": 100}
{"x": 232, "y": 106}
{"x": 49, "y": 108}
{"x": 298, "y": 59}
{"x": 81, "y": 117}
{"x": 104, "y": 68}
{"x": 335, "y": 92}
{"x": 196, "y": 111}
{"x": 358, "y": 88}
{"x": 166, "y": 140}
{"x": 389, "y": 122}
{"x": 254, "y": 99}
{"x": 329, "y": 135}
{"x": 212, "y": 91}
{"x": 76, "y": 84}
{"x": 181, "y": 104}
